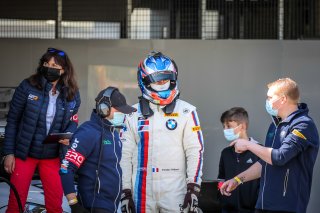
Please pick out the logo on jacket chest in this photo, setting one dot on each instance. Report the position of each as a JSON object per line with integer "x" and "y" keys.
{"x": 270, "y": 135}
{"x": 33, "y": 97}
{"x": 282, "y": 134}
{"x": 107, "y": 142}
{"x": 171, "y": 124}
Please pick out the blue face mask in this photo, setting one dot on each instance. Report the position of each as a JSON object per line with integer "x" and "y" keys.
{"x": 230, "y": 135}
{"x": 270, "y": 110}
{"x": 118, "y": 119}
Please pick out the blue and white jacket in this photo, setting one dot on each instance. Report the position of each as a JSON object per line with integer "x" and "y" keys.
{"x": 97, "y": 187}
{"x": 286, "y": 184}
{"x": 26, "y": 122}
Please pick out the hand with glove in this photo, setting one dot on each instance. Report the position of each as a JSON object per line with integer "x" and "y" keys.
{"x": 78, "y": 208}
{"x": 127, "y": 204}
{"x": 191, "y": 198}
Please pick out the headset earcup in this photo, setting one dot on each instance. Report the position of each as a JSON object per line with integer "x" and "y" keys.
{"x": 103, "y": 110}
{"x": 103, "y": 104}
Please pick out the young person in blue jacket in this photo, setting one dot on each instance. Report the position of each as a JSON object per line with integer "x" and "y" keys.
{"x": 95, "y": 154}
{"x": 44, "y": 103}
{"x": 289, "y": 155}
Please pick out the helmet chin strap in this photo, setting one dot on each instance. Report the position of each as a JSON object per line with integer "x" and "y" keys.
{"x": 144, "y": 107}
{"x": 147, "y": 111}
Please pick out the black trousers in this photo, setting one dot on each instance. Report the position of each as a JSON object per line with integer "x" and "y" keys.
{"x": 268, "y": 211}
{"x": 97, "y": 210}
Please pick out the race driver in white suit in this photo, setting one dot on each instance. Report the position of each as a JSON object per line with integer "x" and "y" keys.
{"x": 162, "y": 153}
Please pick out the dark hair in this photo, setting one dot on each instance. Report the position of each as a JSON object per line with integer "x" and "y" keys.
{"x": 237, "y": 114}
{"x": 67, "y": 79}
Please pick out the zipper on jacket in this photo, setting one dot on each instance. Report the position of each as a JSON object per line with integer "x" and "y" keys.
{"x": 98, "y": 185}
{"x": 119, "y": 187}
{"x": 265, "y": 168}
{"x": 285, "y": 184}
{"x": 264, "y": 184}
{"x": 98, "y": 180}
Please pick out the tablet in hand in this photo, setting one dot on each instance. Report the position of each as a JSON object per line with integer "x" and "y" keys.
{"x": 55, "y": 137}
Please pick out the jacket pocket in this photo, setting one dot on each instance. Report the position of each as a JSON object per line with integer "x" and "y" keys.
{"x": 285, "y": 182}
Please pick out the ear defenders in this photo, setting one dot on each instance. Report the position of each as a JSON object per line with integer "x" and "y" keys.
{"x": 103, "y": 106}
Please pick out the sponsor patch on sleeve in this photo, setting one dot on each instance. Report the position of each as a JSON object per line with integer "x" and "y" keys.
{"x": 75, "y": 157}
{"x": 75, "y": 118}
{"x": 196, "y": 128}
{"x": 298, "y": 134}
{"x": 64, "y": 166}
{"x": 174, "y": 114}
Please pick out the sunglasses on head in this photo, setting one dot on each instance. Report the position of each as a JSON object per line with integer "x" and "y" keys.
{"x": 59, "y": 52}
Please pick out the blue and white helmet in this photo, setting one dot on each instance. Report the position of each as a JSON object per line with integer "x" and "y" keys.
{"x": 157, "y": 67}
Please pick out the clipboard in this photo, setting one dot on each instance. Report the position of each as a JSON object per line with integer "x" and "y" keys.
{"x": 55, "y": 137}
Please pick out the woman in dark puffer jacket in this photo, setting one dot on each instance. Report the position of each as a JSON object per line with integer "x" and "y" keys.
{"x": 46, "y": 102}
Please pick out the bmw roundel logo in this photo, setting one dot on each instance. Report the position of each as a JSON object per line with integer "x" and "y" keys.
{"x": 171, "y": 124}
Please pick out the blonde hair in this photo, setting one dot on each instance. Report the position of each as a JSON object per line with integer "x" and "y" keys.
{"x": 287, "y": 87}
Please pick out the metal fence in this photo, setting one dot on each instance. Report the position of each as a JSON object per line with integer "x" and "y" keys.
{"x": 160, "y": 19}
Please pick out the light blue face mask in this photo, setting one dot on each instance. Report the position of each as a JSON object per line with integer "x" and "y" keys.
{"x": 230, "y": 135}
{"x": 270, "y": 110}
{"x": 118, "y": 119}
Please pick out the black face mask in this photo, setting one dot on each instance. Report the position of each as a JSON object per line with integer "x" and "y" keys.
{"x": 51, "y": 74}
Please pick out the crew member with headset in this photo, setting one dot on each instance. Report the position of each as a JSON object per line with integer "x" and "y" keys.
{"x": 95, "y": 154}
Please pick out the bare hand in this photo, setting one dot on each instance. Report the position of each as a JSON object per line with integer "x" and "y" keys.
{"x": 228, "y": 186}
{"x": 9, "y": 163}
{"x": 240, "y": 145}
{"x": 65, "y": 142}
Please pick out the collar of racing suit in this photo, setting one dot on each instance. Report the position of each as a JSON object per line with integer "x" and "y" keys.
{"x": 147, "y": 107}
{"x": 156, "y": 107}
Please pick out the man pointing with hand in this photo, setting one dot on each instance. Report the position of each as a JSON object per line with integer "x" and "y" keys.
{"x": 289, "y": 155}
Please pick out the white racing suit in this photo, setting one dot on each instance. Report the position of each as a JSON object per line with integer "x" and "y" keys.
{"x": 160, "y": 155}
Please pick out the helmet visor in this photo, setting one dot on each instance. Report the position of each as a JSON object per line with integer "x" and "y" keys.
{"x": 159, "y": 76}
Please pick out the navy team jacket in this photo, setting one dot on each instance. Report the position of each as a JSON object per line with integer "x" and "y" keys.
{"x": 286, "y": 184}
{"x": 97, "y": 187}
{"x": 26, "y": 121}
